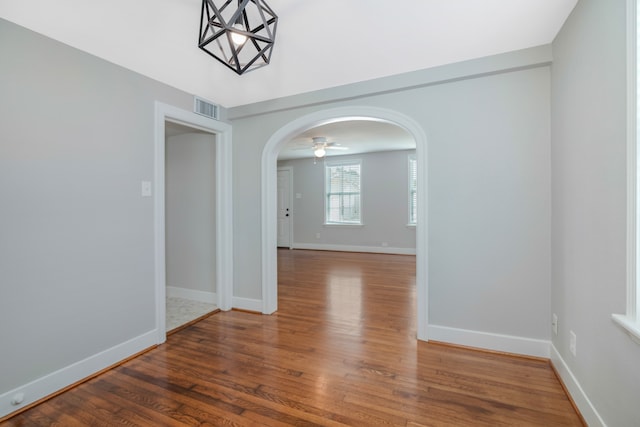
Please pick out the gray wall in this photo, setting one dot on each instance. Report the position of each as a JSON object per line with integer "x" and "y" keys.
{"x": 487, "y": 123}
{"x": 190, "y": 211}
{"x": 589, "y": 207}
{"x": 77, "y": 244}
{"x": 385, "y": 208}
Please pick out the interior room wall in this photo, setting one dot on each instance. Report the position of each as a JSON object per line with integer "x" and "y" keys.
{"x": 488, "y": 177}
{"x": 77, "y": 246}
{"x": 190, "y": 212}
{"x": 589, "y": 212}
{"x": 385, "y": 208}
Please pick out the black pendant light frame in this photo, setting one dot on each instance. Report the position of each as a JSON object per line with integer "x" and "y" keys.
{"x": 252, "y": 19}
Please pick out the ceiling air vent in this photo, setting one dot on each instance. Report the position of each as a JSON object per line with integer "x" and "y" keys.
{"x": 205, "y": 108}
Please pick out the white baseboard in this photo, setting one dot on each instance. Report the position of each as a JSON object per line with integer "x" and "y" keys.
{"x": 588, "y": 411}
{"x": 247, "y": 304}
{"x": 489, "y": 341}
{"x": 352, "y": 248}
{"x": 55, "y": 381}
{"x": 202, "y": 296}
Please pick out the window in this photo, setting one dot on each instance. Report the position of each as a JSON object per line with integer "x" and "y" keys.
{"x": 342, "y": 187}
{"x": 631, "y": 320}
{"x": 413, "y": 190}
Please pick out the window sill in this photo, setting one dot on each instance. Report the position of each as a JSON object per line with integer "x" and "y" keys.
{"x": 411, "y": 225}
{"x": 338, "y": 224}
{"x": 632, "y": 328}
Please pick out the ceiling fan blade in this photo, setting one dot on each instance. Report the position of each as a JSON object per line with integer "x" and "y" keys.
{"x": 336, "y": 148}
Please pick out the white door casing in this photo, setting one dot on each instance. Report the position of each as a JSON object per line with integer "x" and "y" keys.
{"x": 285, "y": 211}
{"x": 224, "y": 221}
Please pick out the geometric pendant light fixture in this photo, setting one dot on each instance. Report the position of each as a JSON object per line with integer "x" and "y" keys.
{"x": 238, "y": 33}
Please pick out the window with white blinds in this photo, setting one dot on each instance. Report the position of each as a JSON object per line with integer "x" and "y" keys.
{"x": 342, "y": 189}
{"x": 413, "y": 190}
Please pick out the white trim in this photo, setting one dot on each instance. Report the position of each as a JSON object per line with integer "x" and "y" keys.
{"x": 410, "y": 158}
{"x": 78, "y": 371}
{"x": 586, "y": 408}
{"x": 249, "y": 304}
{"x": 192, "y": 294}
{"x": 490, "y": 341}
{"x": 291, "y": 202}
{"x": 268, "y": 203}
{"x": 630, "y": 320}
{"x": 632, "y": 153}
{"x": 352, "y": 248}
{"x": 351, "y": 159}
{"x": 631, "y": 326}
{"x": 224, "y": 223}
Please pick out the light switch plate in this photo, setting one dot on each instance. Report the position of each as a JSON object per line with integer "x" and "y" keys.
{"x": 146, "y": 189}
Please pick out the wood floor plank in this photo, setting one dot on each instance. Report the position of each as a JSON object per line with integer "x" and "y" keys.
{"x": 341, "y": 350}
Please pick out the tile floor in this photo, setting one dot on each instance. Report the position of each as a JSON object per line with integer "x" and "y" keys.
{"x": 181, "y": 311}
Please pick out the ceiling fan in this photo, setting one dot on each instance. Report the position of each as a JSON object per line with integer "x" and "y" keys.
{"x": 321, "y": 145}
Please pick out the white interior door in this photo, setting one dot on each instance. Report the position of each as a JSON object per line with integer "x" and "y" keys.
{"x": 284, "y": 208}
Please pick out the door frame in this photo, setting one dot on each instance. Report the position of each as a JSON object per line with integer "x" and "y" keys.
{"x": 290, "y": 170}
{"x": 274, "y": 145}
{"x": 224, "y": 223}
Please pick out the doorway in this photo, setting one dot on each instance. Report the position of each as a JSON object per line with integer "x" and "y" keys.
{"x": 190, "y": 224}
{"x": 285, "y": 211}
{"x": 221, "y": 133}
{"x": 269, "y": 200}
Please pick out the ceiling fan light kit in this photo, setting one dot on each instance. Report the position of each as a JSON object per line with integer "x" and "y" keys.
{"x": 321, "y": 145}
{"x": 319, "y": 151}
{"x": 242, "y": 37}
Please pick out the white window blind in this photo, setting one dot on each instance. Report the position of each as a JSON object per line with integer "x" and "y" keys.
{"x": 343, "y": 193}
{"x": 413, "y": 190}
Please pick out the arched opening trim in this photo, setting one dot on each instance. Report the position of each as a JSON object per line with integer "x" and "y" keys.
{"x": 269, "y": 194}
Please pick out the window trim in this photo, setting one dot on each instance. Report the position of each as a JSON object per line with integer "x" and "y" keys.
{"x": 630, "y": 320}
{"x": 342, "y": 162}
{"x": 411, "y": 158}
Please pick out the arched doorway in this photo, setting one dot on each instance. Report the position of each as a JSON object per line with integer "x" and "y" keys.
{"x": 269, "y": 190}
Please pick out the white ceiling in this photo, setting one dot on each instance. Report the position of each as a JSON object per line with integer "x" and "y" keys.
{"x": 319, "y": 43}
{"x": 352, "y": 137}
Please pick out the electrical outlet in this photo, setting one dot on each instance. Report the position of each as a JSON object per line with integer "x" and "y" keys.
{"x": 17, "y": 399}
{"x": 554, "y": 324}
{"x": 572, "y": 342}
{"x": 317, "y": 235}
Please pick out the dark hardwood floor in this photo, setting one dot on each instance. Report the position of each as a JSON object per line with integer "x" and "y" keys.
{"x": 340, "y": 351}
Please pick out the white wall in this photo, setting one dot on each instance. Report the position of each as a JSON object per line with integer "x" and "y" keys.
{"x": 77, "y": 242}
{"x": 385, "y": 209}
{"x": 487, "y": 124}
{"x": 190, "y": 211}
{"x": 589, "y": 211}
